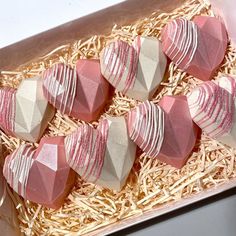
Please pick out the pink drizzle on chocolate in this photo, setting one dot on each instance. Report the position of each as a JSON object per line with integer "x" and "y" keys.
{"x": 7, "y": 110}
{"x": 127, "y": 57}
{"x": 85, "y": 149}
{"x": 212, "y": 109}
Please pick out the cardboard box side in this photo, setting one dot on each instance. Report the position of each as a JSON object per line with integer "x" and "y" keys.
{"x": 100, "y": 22}
{"x": 159, "y": 211}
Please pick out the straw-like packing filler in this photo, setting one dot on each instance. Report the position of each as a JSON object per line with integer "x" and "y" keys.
{"x": 151, "y": 183}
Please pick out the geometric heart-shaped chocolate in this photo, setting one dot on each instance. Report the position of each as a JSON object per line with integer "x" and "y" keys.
{"x": 180, "y": 132}
{"x": 197, "y": 46}
{"x": 81, "y": 93}
{"x": 119, "y": 65}
{"x": 146, "y": 127}
{"x": 212, "y": 107}
{"x": 226, "y": 10}
{"x": 104, "y": 155}
{"x": 33, "y": 112}
{"x": 25, "y": 113}
{"x": 40, "y": 175}
{"x": 135, "y": 70}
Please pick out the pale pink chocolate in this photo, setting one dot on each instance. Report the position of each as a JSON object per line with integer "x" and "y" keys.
{"x": 81, "y": 93}
{"x": 135, "y": 70}
{"x": 40, "y": 175}
{"x": 93, "y": 89}
{"x": 197, "y": 46}
{"x": 180, "y": 132}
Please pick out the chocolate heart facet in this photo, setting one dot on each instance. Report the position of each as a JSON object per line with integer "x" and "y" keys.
{"x": 33, "y": 112}
{"x": 42, "y": 175}
{"x": 135, "y": 70}
{"x": 197, "y": 46}
{"x": 180, "y": 133}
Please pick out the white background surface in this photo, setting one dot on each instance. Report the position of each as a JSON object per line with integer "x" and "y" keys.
{"x": 20, "y": 19}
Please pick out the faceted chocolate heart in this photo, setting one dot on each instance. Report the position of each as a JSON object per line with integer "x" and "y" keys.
{"x": 180, "y": 133}
{"x": 42, "y": 175}
{"x": 197, "y": 46}
{"x": 104, "y": 155}
{"x": 81, "y": 93}
{"x": 25, "y": 113}
{"x": 146, "y": 127}
{"x": 135, "y": 70}
{"x": 212, "y": 107}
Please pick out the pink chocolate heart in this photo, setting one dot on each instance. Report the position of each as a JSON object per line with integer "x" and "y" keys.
{"x": 197, "y": 46}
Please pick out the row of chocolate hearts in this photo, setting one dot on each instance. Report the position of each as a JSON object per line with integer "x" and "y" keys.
{"x": 106, "y": 155}
{"x": 25, "y": 112}
{"x": 136, "y": 70}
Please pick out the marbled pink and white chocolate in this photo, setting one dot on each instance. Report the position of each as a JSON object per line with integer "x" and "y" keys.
{"x": 226, "y": 10}
{"x": 212, "y": 109}
{"x": 59, "y": 87}
{"x": 135, "y": 70}
{"x": 197, "y": 46}
{"x": 146, "y": 127}
{"x": 119, "y": 63}
{"x": 85, "y": 150}
{"x": 180, "y": 132}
